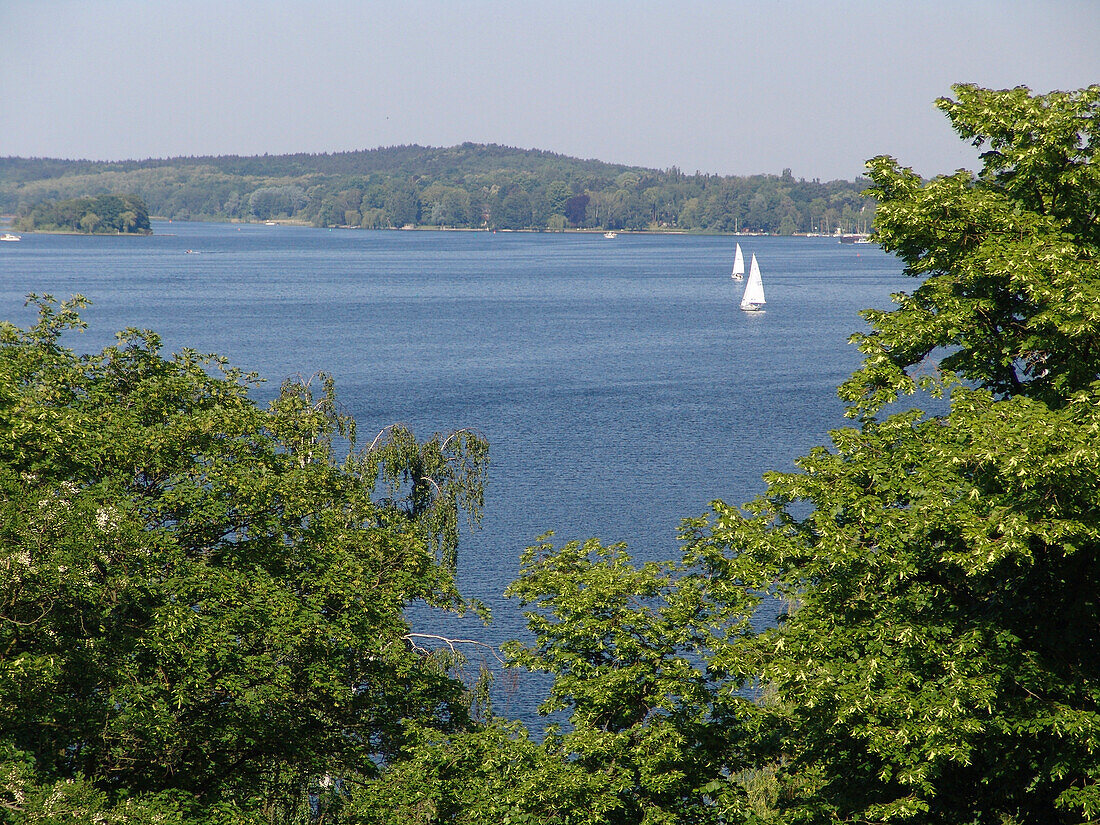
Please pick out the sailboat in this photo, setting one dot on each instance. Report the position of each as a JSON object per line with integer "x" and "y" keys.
{"x": 738, "y": 265}
{"x": 753, "y": 299}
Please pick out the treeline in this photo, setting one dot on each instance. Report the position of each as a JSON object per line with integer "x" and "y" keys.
{"x": 101, "y": 215}
{"x": 470, "y": 186}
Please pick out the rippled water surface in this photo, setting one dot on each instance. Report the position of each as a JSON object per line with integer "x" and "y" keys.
{"x": 617, "y": 381}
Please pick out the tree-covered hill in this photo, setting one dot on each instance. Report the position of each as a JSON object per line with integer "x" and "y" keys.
{"x": 465, "y": 186}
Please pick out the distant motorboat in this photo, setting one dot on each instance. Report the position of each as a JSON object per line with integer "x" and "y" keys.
{"x": 611, "y": 234}
{"x": 7, "y": 236}
{"x": 738, "y": 265}
{"x": 753, "y": 299}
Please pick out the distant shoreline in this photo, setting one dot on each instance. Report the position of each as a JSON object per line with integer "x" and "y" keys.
{"x": 88, "y": 234}
{"x": 306, "y": 225}
{"x": 570, "y": 231}
{"x": 464, "y": 186}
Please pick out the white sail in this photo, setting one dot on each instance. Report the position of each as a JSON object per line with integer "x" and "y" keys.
{"x": 738, "y": 265}
{"x": 753, "y": 298}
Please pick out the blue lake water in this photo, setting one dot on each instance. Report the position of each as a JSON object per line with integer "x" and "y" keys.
{"x": 619, "y": 385}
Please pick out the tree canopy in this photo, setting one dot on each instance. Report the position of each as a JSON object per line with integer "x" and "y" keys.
{"x": 1008, "y": 257}
{"x": 102, "y": 215}
{"x": 939, "y": 660}
{"x": 203, "y": 601}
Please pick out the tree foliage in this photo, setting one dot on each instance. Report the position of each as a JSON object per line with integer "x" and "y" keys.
{"x": 1008, "y": 257}
{"x": 203, "y": 600}
{"x": 940, "y": 664}
{"x": 628, "y": 648}
{"x": 104, "y": 214}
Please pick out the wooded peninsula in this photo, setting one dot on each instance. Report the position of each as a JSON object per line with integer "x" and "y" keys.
{"x": 101, "y": 215}
{"x": 471, "y": 186}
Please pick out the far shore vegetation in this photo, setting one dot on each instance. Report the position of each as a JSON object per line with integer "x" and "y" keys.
{"x": 101, "y": 215}
{"x": 471, "y": 186}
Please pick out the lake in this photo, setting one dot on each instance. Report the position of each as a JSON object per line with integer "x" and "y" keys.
{"x": 619, "y": 385}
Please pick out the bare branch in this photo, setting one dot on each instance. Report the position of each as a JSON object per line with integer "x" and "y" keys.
{"x": 381, "y": 433}
{"x": 49, "y": 607}
{"x": 450, "y": 643}
{"x": 438, "y": 491}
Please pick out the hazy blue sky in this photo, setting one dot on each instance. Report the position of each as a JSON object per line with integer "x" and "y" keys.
{"x": 725, "y": 87}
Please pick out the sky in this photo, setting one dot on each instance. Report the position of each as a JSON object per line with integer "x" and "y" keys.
{"x": 727, "y": 88}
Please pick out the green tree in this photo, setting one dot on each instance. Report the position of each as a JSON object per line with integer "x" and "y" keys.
{"x": 690, "y": 215}
{"x": 653, "y": 732}
{"x": 653, "y": 727}
{"x": 329, "y": 214}
{"x": 512, "y": 210}
{"x": 1009, "y": 255}
{"x": 89, "y": 222}
{"x": 401, "y": 202}
{"x": 275, "y": 201}
{"x": 453, "y": 208}
{"x": 106, "y": 213}
{"x": 203, "y": 600}
{"x": 557, "y": 194}
{"x": 494, "y": 774}
{"x": 939, "y": 659}
{"x": 374, "y": 219}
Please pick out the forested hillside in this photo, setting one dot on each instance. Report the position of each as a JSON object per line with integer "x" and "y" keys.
{"x": 467, "y": 186}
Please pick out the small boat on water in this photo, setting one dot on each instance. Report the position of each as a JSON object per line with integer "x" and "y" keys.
{"x": 753, "y": 299}
{"x": 8, "y": 236}
{"x": 611, "y": 234}
{"x": 738, "y": 265}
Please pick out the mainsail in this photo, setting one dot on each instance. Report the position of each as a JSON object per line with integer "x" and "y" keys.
{"x": 738, "y": 265}
{"x": 753, "y": 299}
